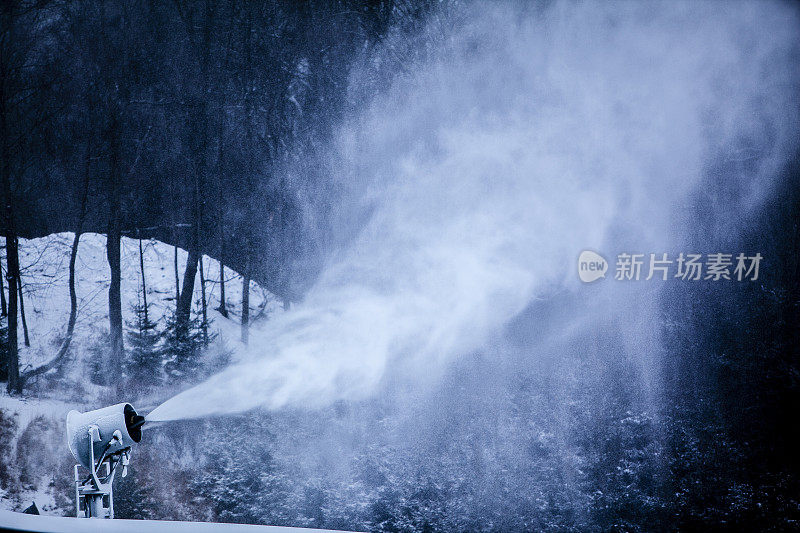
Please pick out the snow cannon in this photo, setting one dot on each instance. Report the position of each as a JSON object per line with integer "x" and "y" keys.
{"x": 100, "y": 441}
{"x": 103, "y": 431}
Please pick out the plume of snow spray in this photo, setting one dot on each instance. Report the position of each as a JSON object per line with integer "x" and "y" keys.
{"x": 527, "y": 138}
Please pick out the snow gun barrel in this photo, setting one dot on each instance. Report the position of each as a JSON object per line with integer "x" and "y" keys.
{"x": 104, "y": 431}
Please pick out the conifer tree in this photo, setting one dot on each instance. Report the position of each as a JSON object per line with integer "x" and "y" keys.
{"x": 143, "y": 362}
{"x": 184, "y": 344}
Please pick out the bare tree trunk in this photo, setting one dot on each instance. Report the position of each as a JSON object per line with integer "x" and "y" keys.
{"x": 144, "y": 285}
{"x": 12, "y": 260}
{"x": 113, "y": 243}
{"x": 199, "y": 118}
{"x": 187, "y": 291}
{"x": 223, "y": 310}
{"x": 203, "y": 300}
{"x": 73, "y": 304}
{"x": 114, "y": 303}
{"x": 12, "y": 255}
{"x": 4, "y": 310}
{"x": 73, "y": 295}
{"x": 22, "y": 310}
{"x": 190, "y": 272}
{"x": 246, "y": 302}
{"x": 3, "y": 370}
{"x": 177, "y": 277}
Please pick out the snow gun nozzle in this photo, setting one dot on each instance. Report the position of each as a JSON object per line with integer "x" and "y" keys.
{"x": 136, "y": 421}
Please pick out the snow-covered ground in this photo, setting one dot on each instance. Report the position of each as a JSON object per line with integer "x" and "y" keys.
{"x": 44, "y": 263}
{"x": 21, "y": 522}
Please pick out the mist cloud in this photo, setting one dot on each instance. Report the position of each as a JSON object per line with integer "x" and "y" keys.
{"x": 529, "y": 137}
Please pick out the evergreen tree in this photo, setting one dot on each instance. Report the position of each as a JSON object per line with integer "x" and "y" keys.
{"x": 98, "y": 352}
{"x": 184, "y": 344}
{"x": 245, "y": 487}
{"x": 143, "y": 361}
{"x": 132, "y": 496}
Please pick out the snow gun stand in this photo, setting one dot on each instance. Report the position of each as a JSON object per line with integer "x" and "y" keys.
{"x": 101, "y": 441}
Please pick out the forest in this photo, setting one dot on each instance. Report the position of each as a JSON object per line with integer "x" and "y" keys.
{"x": 336, "y": 241}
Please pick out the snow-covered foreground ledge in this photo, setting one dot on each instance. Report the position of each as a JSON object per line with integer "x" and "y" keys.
{"x": 57, "y": 524}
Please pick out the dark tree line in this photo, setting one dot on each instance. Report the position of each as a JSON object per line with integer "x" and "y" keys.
{"x": 174, "y": 120}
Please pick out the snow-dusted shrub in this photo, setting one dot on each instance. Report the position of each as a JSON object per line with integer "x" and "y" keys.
{"x": 8, "y": 427}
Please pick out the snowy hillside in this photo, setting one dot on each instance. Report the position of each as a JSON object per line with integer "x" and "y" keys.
{"x": 36, "y": 420}
{"x": 44, "y": 263}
